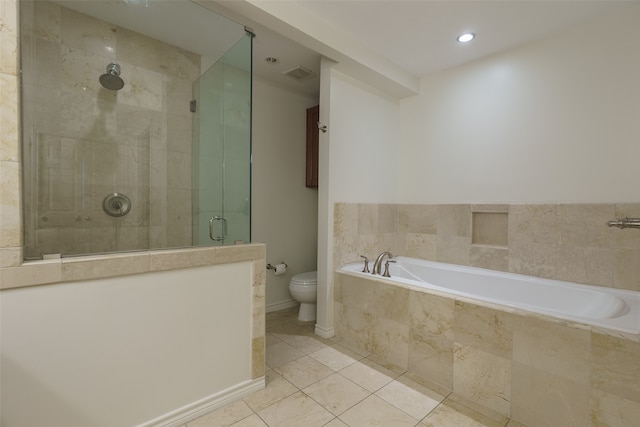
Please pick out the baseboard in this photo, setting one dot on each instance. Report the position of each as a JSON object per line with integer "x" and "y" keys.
{"x": 325, "y": 332}
{"x": 200, "y": 407}
{"x": 281, "y": 305}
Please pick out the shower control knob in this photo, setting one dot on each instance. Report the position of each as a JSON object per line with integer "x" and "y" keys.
{"x": 116, "y": 204}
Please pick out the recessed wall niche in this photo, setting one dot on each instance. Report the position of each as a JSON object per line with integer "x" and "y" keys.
{"x": 490, "y": 229}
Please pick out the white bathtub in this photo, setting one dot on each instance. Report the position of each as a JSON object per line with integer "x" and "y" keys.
{"x": 611, "y": 309}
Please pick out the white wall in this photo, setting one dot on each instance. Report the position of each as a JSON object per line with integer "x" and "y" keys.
{"x": 554, "y": 121}
{"x": 124, "y": 351}
{"x": 284, "y": 211}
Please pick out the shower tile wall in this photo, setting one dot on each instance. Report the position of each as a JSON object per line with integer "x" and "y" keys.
{"x": 91, "y": 141}
{"x": 558, "y": 241}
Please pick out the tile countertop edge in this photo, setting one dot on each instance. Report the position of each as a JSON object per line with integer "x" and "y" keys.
{"x": 52, "y": 271}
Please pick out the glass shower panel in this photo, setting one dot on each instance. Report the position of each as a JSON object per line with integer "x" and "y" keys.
{"x": 222, "y": 149}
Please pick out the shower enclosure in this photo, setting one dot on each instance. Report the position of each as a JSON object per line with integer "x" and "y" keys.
{"x": 135, "y": 136}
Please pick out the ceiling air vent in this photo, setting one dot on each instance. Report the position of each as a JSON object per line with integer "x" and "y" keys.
{"x": 299, "y": 73}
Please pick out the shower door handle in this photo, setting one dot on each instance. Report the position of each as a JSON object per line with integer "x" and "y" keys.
{"x": 224, "y": 228}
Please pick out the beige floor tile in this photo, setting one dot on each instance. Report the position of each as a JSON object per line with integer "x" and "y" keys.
{"x": 280, "y": 353}
{"x": 252, "y": 421}
{"x": 304, "y": 371}
{"x": 374, "y": 411}
{"x": 369, "y": 374}
{"x": 296, "y": 410}
{"x": 453, "y": 414}
{"x": 336, "y": 357}
{"x": 410, "y": 397}
{"x": 336, "y": 393}
{"x": 277, "y": 388}
{"x": 514, "y": 423}
{"x": 223, "y": 417}
{"x": 336, "y": 423}
{"x": 305, "y": 343}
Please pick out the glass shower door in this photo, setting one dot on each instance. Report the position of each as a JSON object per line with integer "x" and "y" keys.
{"x": 222, "y": 149}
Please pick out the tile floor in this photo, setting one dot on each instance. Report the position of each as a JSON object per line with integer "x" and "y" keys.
{"x": 311, "y": 381}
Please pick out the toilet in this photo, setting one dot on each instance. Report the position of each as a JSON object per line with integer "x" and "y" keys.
{"x": 303, "y": 289}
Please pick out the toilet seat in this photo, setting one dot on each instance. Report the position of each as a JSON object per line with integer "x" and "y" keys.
{"x": 309, "y": 278}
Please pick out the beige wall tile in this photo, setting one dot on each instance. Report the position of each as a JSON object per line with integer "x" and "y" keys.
{"x": 491, "y": 258}
{"x": 390, "y": 302}
{"x": 422, "y": 246}
{"x": 626, "y": 238}
{"x": 10, "y": 205}
{"x": 9, "y": 139}
{"x": 387, "y": 218}
{"x": 627, "y": 269}
{"x": 431, "y": 315}
{"x": 542, "y": 399}
{"x": 29, "y": 274}
{"x": 588, "y": 265}
{"x": 85, "y": 268}
{"x": 390, "y": 340}
{"x": 533, "y": 223}
{"x": 483, "y": 329}
{"x": 533, "y": 259}
{"x": 609, "y": 410}
{"x": 482, "y": 377}
{"x": 453, "y": 249}
{"x": 454, "y": 220}
{"x": 420, "y": 219}
{"x": 552, "y": 348}
{"x": 585, "y": 225}
{"x": 257, "y": 357}
{"x": 367, "y": 219}
{"x": 490, "y": 228}
{"x": 9, "y": 37}
{"x": 615, "y": 366}
{"x": 431, "y": 357}
{"x": 10, "y": 257}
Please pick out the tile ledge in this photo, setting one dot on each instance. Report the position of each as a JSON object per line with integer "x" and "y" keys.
{"x": 40, "y": 270}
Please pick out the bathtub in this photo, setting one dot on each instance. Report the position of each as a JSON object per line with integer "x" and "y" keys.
{"x": 607, "y": 308}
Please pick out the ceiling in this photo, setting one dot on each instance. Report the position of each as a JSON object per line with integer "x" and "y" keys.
{"x": 417, "y": 36}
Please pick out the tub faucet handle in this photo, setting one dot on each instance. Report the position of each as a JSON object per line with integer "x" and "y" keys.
{"x": 386, "y": 268}
{"x": 366, "y": 264}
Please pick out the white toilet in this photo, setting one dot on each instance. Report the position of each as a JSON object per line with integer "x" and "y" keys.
{"x": 303, "y": 288}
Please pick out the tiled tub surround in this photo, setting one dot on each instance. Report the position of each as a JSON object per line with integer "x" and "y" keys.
{"x": 534, "y": 369}
{"x": 568, "y": 242}
{"x": 539, "y": 371}
{"x": 88, "y": 142}
{"x": 128, "y": 266}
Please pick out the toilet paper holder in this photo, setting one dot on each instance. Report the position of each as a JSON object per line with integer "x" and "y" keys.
{"x": 273, "y": 267}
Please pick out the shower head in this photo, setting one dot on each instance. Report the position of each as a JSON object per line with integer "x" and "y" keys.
{"x": 111, "y": 79}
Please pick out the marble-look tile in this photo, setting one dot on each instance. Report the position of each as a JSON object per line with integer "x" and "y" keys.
{"x": 627, "y": 269}
{"x": 257, "y": 356}
{"x": 418, "y": 219}
{"x": 615, "y": 366}
{"x": 514, "y": 423}
{"x": 454, "y": 220}
{"x": 484, "y": 328}
{"x": 490, "y": 228}
{"x": 336, "y": 393}
{"x": 304, "y": 371}
{"x": 453, "y": 414}
{"x": 595, "y": 266}
{"x": 280, "y": 353}
{"x": 92, "y": 267}
{"x": 483, "y": 378}
{"x": 295, "y": 411}
{"x": 431, "y": 315}
{"x": 533, "y": 223}
{"x": 542, "y": 399}
{"x": 9, "y": 140}
{"x": 9, "y": 37}
{"x": 83, "y": 32}
{"x": 336, "y": 357}
{"x": 552, "y": 348}
{"x": 390, "y": 302}
{"x": 432, "y": 358}
{"x": 367, "y": 219}
{"x": 410, "y": 397}
{"x": 374, "y": 411}
{"x": 621, "y": 237}
{"x": 250, "y": 421}
{"x": 29, "y": 274}
{"x": 453, "y": 249}
{"x": 390, "y": 340}
{"x": 10, "y": 209}
{"x": 225, "y": 416}
{"x": 488, "y": 257}
{"x": 608, "y": 410}
{"x": 421, "y": 246}
{"x": 336, "y": 423}
{"x": 532, "y": 259}
{"x": 370, "y": 375}
{"x": 345, "y": 219}
{"x": 276, "y": 389}
{"x": 585, "y": 225}
{"x": 387, "y": 218}
{"x": 10, "y": 257}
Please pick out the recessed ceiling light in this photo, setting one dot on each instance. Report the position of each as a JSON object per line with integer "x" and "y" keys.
{"x": 271, "y": 59}
{"x": 465, "y": 37}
